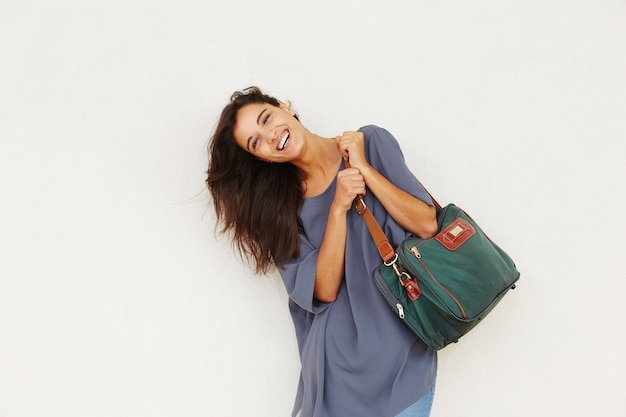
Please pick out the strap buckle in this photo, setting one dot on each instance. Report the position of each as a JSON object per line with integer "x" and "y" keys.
{"x": 408, "y": 282}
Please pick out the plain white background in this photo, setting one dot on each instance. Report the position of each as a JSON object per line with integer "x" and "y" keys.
{"x": 117, "y": 299}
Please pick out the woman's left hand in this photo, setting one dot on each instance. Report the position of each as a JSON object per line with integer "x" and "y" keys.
{"x": 352, "y": 146}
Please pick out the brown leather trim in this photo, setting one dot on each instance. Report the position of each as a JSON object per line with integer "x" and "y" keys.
{"x": 455, "y": 234}
{"x": 412, "y": 289}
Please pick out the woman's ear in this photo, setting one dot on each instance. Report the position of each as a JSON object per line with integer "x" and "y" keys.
{"x": 286, "y": 107}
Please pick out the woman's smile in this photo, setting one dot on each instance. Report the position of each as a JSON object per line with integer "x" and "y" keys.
{"x": 266, "y": 131}
{"x": 284, "y": 141}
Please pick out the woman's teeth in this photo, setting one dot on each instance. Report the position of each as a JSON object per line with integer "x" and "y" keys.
{"x": 283, "y": 141}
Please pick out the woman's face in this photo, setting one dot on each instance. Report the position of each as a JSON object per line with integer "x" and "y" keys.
{"x": 269, "y": 132}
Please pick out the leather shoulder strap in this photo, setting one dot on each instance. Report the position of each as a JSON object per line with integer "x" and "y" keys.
{"x": 386, "y": 251}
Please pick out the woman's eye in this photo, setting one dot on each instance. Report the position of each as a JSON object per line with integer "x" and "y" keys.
{"x": 266, "y": 118}
{"x": 254, "y": 143}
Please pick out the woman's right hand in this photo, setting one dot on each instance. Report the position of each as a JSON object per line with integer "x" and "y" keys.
{"x": 350, "y": 183}
{"x": 330, "y": 260}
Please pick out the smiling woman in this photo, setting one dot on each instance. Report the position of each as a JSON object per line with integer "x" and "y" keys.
{"x": 285, "y": 194}
{"x": 266, "y": 135}
{"x": 240, "y": 183}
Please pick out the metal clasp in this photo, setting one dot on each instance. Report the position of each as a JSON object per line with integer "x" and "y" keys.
{"x": 402, "y": 276}
{"x": 394, "y": 265}
{"x": 360, "y": 205}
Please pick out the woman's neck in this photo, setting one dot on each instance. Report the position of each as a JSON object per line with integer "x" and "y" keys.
{"x": 319, "y": 165}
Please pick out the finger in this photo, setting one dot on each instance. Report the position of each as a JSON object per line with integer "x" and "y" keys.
{"x": 351, "y": 172}
{"x": 342, "y": 147}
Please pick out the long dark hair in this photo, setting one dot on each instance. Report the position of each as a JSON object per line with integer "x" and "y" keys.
{"x": 256, "y": 201}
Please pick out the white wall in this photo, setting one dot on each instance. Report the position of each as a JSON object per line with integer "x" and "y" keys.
{"x": 117, "y": 300}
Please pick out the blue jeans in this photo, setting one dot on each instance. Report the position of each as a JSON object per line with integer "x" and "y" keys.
{"x": 420, "y": 408}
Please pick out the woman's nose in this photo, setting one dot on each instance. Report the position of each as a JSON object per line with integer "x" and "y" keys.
{"x": 271, "y": 135}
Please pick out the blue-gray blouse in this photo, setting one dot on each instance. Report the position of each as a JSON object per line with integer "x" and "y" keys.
{"x": 358, "y": 358}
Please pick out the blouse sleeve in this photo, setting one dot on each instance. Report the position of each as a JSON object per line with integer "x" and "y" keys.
{"x": 299, "y": 278}
{"x": 385, "y": 155}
